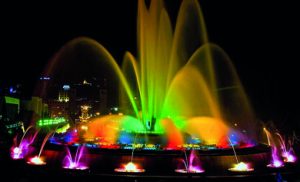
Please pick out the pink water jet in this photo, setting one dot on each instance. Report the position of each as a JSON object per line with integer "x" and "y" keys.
{"x": 75, "y": 163}
{"x": 19, "y": 151}
{"x": 287, "y": 151}
{"x": 192, "y": 165}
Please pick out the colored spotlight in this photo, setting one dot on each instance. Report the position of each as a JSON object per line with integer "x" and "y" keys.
{"x": 36, "y": 161}
{"x": 241, "y": 167}
{"x": 130, "y": 168}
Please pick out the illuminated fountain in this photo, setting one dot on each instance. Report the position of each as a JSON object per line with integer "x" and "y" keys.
{"x": 280, "y": 152}
{"x": 276, "y": 161}
{"x": 239, "y": 166}
{"x": 19, "y": 151}
{"x": 179, "y": 87}
{"x": 38, "y": 160}
{"x": 180, "y": 93}
{"x": 286, "y": 152}
{"x": 130, "y": 167}
{"x": 191, "y": 164}
{"x": 75, "y": 163}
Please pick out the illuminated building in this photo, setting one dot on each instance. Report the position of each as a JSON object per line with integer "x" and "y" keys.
{"x": 9, "y": 114}
{"x": 85, "y": 116}
{"x": 67, "y": 98}
{"x": 36, "y": 105}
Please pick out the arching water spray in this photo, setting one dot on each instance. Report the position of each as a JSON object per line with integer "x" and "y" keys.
{"x": 191, "y": 164}
{"x": 19, "y": 151}
{"x": 234, "y": 152}
{"x": 287, "y": 152}
{"x": 75, "y": 163}
{"x": 239, "y": 166}
{"x": 276, "y": 162}
{"x": 37, "y": 160}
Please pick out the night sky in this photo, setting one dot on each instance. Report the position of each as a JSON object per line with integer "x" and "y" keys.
{"x": 262, "y": 38}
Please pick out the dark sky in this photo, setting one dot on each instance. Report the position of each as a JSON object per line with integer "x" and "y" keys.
{"x": 262, "y": 38}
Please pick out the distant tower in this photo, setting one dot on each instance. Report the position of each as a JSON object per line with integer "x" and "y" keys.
{"x": 84, "y": 113}
{"x": 63, "y": 95}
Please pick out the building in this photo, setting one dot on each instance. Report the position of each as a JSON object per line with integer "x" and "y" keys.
{"x": 9, "y": 115}
{"x": 33, "y": 110}
{"x": 70, "y": 97}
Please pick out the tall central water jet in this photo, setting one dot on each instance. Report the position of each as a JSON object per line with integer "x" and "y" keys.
{"x": 180, "y": 76}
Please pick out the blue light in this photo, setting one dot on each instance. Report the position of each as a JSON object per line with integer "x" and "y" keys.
{"x": 70, "y": 137}
{"x": 12, "y": 90}
{"x": 125, "y": 138}
{"x": 66, "y": 87}
{"x": 89, "y": 145}
{"x": 234, "y": 137}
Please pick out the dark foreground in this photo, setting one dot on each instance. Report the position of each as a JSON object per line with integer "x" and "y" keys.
{"x": 19, "y": 171}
